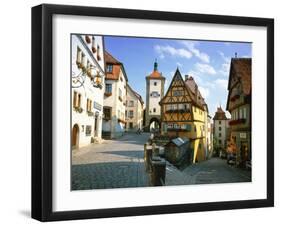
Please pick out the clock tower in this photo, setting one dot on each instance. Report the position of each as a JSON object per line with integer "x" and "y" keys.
{"x": 154, "y": 93}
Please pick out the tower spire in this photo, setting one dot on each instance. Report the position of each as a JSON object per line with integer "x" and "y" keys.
{"x": 155, "y": 65}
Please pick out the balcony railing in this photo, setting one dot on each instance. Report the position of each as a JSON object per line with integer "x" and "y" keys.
{"x": 237, "y": 121}
{"x": 108, "y": 94}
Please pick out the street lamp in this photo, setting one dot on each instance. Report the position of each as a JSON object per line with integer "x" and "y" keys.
{"x": 97, "y": 80}
{"x": 78, "y": 80}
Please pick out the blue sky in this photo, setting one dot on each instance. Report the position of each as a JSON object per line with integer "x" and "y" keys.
{"x": 207, "y": 61}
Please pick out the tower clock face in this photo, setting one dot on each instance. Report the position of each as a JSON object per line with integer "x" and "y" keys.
{"x": 155, "y": 94}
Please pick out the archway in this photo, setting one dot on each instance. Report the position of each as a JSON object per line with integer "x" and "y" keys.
{"x": 75, "y": 136}
{"x": 154, "y": 125}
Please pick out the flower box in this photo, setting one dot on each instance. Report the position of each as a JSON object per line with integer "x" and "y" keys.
{"x": 235, "y": 97}
{"x": 237, "y": 122}
{"x": 108, "y": 94}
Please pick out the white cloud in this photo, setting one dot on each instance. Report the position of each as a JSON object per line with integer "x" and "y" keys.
{"x": 167, "y": 83}
{"x": 204, "y": 91}
{"x": 205, "y": 69}
{"x": 222, "y": 83}
{"x": 174, "y": 52}
{"x": 179, "y": 64}
{"x": 225, "y": 66}
{"x": 191, "y": 47}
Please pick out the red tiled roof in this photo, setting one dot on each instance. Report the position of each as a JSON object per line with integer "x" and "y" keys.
{"x": 193, "y": 87}
{"x": 241, "y": 70}
{"x": 242, "y": 67}
{"x": 117, "y": 66}
{"x": 220, "y": 114}
{"x": 109, "y": 59}
{"x": 155, "y": 74}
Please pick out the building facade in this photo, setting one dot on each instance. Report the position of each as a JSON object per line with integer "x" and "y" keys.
{"x": 114, "y": 98}
{"x": 220, "y": 132}
{"x": 239, "y": 106}
{"x": 209, "y": 137}
{"x": 134, "y": 111}
{"x": 183, "y": 114}
{"x": 87, "y": 89}
{"x": 154, "y": 93}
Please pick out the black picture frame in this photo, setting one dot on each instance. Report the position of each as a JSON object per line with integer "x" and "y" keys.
{"x": 42, "y": 111}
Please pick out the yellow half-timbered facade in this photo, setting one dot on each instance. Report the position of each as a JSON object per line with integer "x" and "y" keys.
{"x": 184, "y": 114}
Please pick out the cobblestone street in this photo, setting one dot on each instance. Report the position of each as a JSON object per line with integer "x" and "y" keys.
{"x": 119, "y": 164}
{"x": 214, "y": 170}
{"x": 112, "y": 164}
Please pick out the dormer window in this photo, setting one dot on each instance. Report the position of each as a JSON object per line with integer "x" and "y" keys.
{"x": 109, "y": 68}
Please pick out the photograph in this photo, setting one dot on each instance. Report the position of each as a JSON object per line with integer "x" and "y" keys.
{"x": 153, "y": 111}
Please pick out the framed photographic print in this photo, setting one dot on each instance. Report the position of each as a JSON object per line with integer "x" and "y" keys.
{"x": 146, "y": 112}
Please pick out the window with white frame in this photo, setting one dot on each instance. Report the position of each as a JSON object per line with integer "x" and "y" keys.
{"x": 108, "y": 88}
{"x": 131, "y": 114}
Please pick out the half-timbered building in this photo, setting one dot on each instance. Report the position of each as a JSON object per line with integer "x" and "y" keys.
{"x": 239, "y": 106}
{"x": 183, "y": 114}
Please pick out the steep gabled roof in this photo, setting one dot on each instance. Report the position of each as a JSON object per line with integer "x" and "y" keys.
{"x": 242, "y": 69}
{"x": 220, "y": 114}
{"x": 136, "y": 94}
{"x": 109, "y": 59}
{"x": 191, "y": 87}
{"x": 191, "y": 84}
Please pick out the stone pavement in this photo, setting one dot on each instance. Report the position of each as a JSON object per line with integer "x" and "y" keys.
{"x": 120, "y": 164}
{"x": 214, "y": 170}
{"x": 112, "y": 164}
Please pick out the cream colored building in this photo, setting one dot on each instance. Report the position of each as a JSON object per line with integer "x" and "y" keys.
{"x": 221, "y": 124}
{"x": 134, "y": 110}
{"x": 87, "y": 89}
{"x": 114, "y": 98}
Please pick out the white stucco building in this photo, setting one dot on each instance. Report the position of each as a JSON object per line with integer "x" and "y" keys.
{"x": 114, "y": 98}
{"x": 154, "y": 93}
{"x": 134, "y": 110}
{"x": 87, "y": 89}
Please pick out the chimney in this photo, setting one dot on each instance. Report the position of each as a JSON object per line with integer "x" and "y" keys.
{"x": 196, "y": 92}
{"x": 186, "y": 77}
